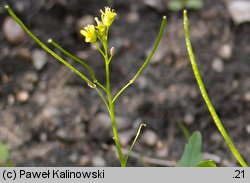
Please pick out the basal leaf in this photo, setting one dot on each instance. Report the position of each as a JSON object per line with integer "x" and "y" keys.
{"x": 194, "y": 4}
{"x": 192, "y": 152}
{"x": 207, "y": 163}
{"x": 4, "y": 153}
{"x": 175, "y": 5}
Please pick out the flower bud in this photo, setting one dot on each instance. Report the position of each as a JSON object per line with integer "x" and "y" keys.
{"x": 108, "y": 16}
{"x": 112, "y": 51}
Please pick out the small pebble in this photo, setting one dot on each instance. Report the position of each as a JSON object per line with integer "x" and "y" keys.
{"x": 73, "y": 157}
{"x": 11, "y": 99}
{"x": 12, "y": 31}
{"x": 43, "y": 137}
{"x": 218, "y": 65}
{"x": 216, "y": 137}
{"x": 226, "y": 51}
{"x": 100, "y": 122}
{"x": 39, "y": 59}
{"x": 248, "y": 129}
{"x": 40, "y": 98}
{"x": 84, "y": 160}
{"x": 149, "y": 138}
{"x": 188, "y": 119}
{"x": 125, "y": 137}
{"x": 215, "y": 158}
{"x": 24, "y": 53}
{"x": 133, "y": 17}
{"x": 162, "y": 150}
{"x": 122, "y": 123}
{"x": 239, "y": 11}
{"x": 51, "y": 112}
{"x": 143, "y": 82}
{"x": 98, "y": 161}
{"x": 159, "y": 5}
{"x": 62, "y": 134}
{"x": 22, "y": 96}
{"x": 30, "y": 77}
{"x": 84, "y": 21}
{"x": 246, "y": 96}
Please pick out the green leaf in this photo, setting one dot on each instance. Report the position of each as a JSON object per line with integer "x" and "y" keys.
{"x": 194, "y": 4}
{"x": 4, "y": 153}
{"x": 207, "y": 163}
{"x": 175, "y": 5}
{"x": 192, "y": 152}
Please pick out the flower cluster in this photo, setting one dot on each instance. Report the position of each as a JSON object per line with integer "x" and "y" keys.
{"x": 92, "y": 33}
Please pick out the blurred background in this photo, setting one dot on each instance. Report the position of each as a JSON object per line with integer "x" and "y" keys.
{"x": 49, "y": 117}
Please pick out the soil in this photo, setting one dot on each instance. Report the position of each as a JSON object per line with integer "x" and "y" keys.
{"x": 63, "y": 122}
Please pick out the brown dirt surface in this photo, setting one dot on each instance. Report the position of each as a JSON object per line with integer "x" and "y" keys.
{"x": 50, "y": 117}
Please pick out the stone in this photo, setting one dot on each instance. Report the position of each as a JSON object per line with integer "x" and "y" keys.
{"x": 149, "y": 138}
{"x": 84, "y": 21}
{"x": 73, "y": 157}
{"x": 22, "y": 96}
{"x": 102, "y": 121}
{"x": 30, "y": 77}
{"x": 122, "y": 123}
{"x": 188, "y": 119}
{"x": 133, "y": 17}
{"x": 239, "y": 11}
{"x": 158, "y": 5}
{"x": 24, "y": 53}
{"x": 84, "y": 160}
{"x": 248, "y": 129}
{"x": 39, "y": 59}
{"x": 162, "y": 149}
{"x": 125, "y": 137}
{"x": 226, "y": 51}
{"x": 246, "y": 96}
{"x": 215, "y": 158}
{"x": 98, "y": 161}
{"x": 40, "y": 98}
{"x": 12, "y": 31}
{"x": 217, "y": 65}
{"x": 216, "y": 137}
{"x": 143, "y": 82}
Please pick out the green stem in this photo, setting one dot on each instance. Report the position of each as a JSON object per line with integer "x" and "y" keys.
{"x": 134, "y": 141}
{"x": 91, "y": 72}
{"x": 90, "y": 83}
{"x": 12, "y": 14}
{"x": 205, "y": 95}
{"x": 111, "y": 105}
{"x": 163, "y": 24}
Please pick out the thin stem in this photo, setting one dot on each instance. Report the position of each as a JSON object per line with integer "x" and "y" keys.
{"x": 12, "y": 14}
{"x": 99, "y": 84}
{"x": 103, "y": 99}
{"x": 99, "y": 49}
{"x": 90, "y": 84}
{"x": 163, "y": 24}
{"x": 91, "y": 72}
{"x": 205, "y": 95}
{"x": 111, "y": 105}
{"x": 133, "y": 144}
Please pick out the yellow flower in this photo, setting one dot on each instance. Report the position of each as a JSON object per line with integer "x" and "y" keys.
{"x": 90, "y": 33}
{"x": 100, "y": 26}
{"x": 108, "y": 16}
